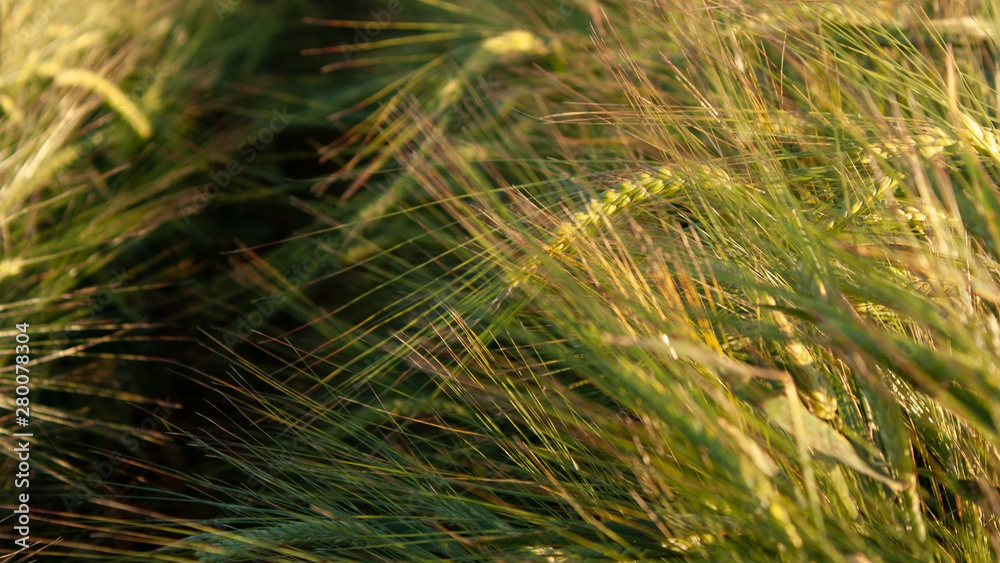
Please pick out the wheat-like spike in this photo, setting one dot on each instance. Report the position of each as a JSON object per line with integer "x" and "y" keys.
{"x": 628, "y": 194}
{"x": 111, "y": 94}
{"x": 935, "y": 140}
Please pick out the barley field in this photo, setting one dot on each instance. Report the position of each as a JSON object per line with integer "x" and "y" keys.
{"x": 560, "y": 280}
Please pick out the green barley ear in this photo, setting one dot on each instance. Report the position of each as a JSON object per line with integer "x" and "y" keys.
{"x": 111, "y": 94}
